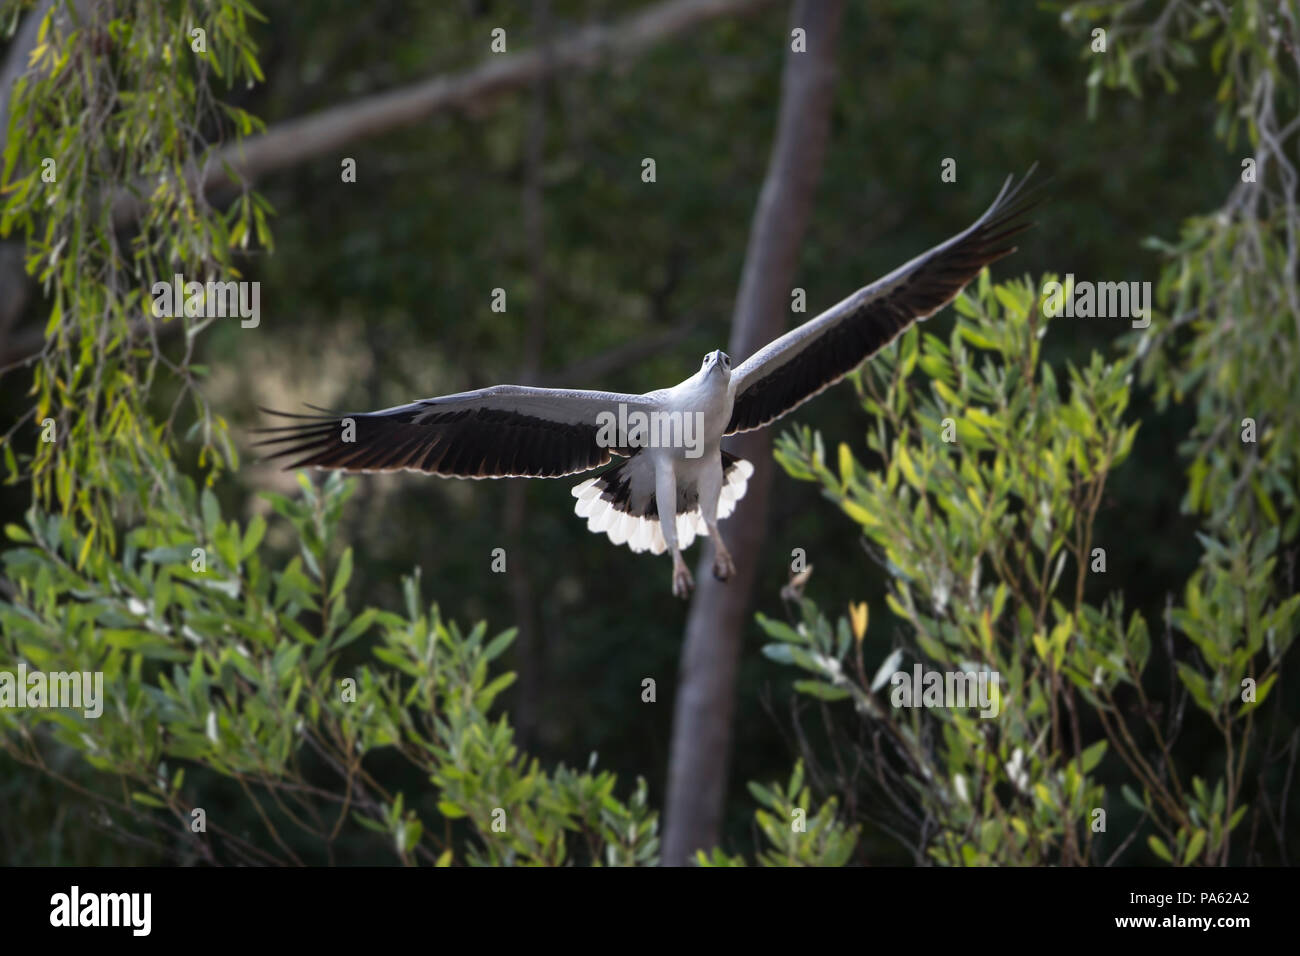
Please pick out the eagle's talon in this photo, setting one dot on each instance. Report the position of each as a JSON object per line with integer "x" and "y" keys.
{"x": 723, "y": 566}
{"x": 682, "y": 581}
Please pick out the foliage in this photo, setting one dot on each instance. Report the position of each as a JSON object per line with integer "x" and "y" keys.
{"x": 796, "y": 837}
{"x": 978, "y": 532}
{"x": 1231, "y": 283}
{"x": 214, "y": 657}
{"x": 989, "y": 485}
{"x": 987, "y": 534}
{"x": 117, "y": 112}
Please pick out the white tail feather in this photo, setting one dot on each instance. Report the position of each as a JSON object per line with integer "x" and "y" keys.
{"x": 644, "y": 533}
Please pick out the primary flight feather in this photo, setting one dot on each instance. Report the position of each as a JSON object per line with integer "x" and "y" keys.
{"x": 670, "y": 438}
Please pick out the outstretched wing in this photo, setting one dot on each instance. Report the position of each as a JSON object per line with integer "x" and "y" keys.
{"x": 787, "y": 372}
{"x": 507, "y": 431}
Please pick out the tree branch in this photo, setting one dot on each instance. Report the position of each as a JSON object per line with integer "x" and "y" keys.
{"x": 321, "y": 133}
{"x": 302, "y": 139}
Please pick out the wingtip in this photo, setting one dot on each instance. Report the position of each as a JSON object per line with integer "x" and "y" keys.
{"x": 279, "y": 414}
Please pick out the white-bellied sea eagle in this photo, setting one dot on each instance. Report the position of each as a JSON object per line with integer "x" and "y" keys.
{"x": 669, "y": 438}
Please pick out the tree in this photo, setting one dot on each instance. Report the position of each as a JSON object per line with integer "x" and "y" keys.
{"x": 983, "y": 511}
{"x": 705, "y": 705}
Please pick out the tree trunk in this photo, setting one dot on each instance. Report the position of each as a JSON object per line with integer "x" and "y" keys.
{"x": 701, "y": 742}
{"x": 529, "y": 648}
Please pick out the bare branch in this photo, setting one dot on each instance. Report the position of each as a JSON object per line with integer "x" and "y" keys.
{"x": 321, "y": 133}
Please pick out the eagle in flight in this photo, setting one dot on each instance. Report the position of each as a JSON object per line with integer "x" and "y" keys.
{"x": 669, "y": 440}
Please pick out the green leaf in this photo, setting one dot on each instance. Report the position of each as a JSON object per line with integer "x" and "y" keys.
{"x": 909, "y": 470}
{"x": 1010, "y": 301}
{"x": 947, "y": 394}
{"x": 976, "y": 337}
{"x": 763, "y": 795}
{"x": 820, "y": 689}
{"x": 984, "y": 420}
{"x": 1159, "y": 849}
{"x": 342, "y": 575}
{"x": 846, "y": 464}
{"x": 252, "y": 536}
{"x": 485, "y": 696}
{"x": 860, "y": 514}
{"x": 355, "y": 629}
{"x": 1091, "y": 756}
{"x": 1131, "y": 797}
{"x": 56, "y": 316}
{"x": 370, "y": 824}
{"x": 211, "y": 511}
{"x": 965, "y": 306}
{"x": 781, "y": 653}
{"x": 1196, "y": 684}
{"x": 450, "y": 810}
{"x": 498, "y": 644}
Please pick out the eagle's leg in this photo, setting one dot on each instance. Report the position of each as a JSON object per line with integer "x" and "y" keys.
{"x": 723, "y": 566}
{"x": 666, "y": 503}
{"x": 710, "y": 491}
{"x": 682, "y": 579}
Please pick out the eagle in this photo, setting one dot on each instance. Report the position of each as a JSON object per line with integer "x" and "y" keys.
{"x": 674, "y": 482}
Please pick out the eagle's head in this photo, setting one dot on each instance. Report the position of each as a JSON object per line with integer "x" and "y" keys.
{"x": 717, "y": 362}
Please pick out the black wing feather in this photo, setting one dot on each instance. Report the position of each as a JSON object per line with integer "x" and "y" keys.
{"x": 932, "y": 282}
{"x": 465, "y": 443}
